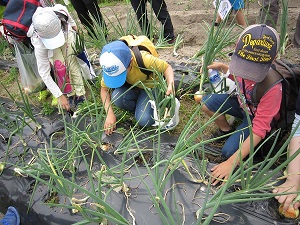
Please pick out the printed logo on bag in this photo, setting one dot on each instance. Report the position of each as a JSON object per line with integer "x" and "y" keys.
{"x": 254, "y": 48}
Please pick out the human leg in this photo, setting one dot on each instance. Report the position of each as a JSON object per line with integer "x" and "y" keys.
{"x": 239, "y": 16}
{"x": 297, "y": 33}
{"x": 139, "y": 6}
{"x": 144, "y": 111}
{"x": 238, "y": 6}
{"x": 269, "y": 12}
{"x": 73, "y": 66}
{"x": 233, "y": 142}
{"x": 125, "y": 98}
{"x": 66, "y": 55}
{"x": 161, "y": 11}
{"x": 94, "y": 9}
{"x": 82, "y": 12}
{"x": 222, "y": 103}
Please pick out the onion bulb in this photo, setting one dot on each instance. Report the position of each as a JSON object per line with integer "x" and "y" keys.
{"x": 198, "y": 96}
{"x": 290, "y": 212}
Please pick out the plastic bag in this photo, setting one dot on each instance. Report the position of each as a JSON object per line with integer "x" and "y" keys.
{"x": 26, "y": 61}
{"x": 86, "y": 67}
{"x": 166, "y": 125}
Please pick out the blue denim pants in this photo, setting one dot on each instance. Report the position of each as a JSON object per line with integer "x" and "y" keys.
{"x": 230, "y": 105}
{"x": 134, "y": 100}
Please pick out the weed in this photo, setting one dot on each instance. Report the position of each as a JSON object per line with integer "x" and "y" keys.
{"x": 3, "y": 45}
{"x": 47, "y": 108}
{"x": 13, "y": 75}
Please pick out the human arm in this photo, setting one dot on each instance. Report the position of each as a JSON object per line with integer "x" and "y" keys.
{"x": 169, "y": 75}
{"x": 43, "y": 64}
{"x": 266, "y": 111}
{"x": 156, "y": 64}
{"x": 110, "y": 121}
{"x": 222, "y": 171}
{"x": 222, "y": 67}
{"x": 292, "y": 183}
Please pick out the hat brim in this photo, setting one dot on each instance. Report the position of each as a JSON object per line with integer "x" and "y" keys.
{"x": 115, "y": 81}
{"x": 55, "y": 42}
{"x": 248, "y": 70}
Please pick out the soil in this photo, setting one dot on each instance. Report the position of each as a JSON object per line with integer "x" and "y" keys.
{"x": 189, "y": 17}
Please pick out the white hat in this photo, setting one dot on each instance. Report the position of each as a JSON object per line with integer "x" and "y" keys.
{"x": 48, "y": 26}
{"x": 115, "y": 59}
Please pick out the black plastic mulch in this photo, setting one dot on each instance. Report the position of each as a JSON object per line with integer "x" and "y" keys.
{"x": 183, "y": 196}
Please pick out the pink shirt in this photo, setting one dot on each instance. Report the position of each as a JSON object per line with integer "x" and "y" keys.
{"x": 267, "y": 109}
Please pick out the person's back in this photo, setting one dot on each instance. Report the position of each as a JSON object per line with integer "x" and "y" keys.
{"x": 254, "y": 53}
{"x": 121, "y": 72}
{"x": 53, "y": 39}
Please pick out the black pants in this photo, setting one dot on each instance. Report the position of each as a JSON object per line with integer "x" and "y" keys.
{"x": 297, "y": 33}
{"x": 160, "y": 9}
{"x": 86, "y": 7}
{"x": 269, "y": 12}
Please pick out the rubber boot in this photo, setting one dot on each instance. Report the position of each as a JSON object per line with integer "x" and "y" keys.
{"x": 11, "y": 217}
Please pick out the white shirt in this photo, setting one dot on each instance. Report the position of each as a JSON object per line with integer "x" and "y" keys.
{"x": 43, "y": 55}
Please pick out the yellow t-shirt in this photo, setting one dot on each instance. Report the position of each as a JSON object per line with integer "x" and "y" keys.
{"x": 135, "y": 74}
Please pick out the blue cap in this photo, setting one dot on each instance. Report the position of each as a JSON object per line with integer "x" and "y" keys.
{"x": 114, "y": 60}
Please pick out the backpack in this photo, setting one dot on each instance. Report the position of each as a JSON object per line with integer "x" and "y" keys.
{"x": 3, "y": 2}
{"x": 137, "y": 44}
{"x": 289, "y": 75}
{"x": 17, "y": 17}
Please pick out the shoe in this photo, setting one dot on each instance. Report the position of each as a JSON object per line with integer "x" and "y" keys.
{"x": 79, "y": 100}
{"x": 75, "y": 101}
{"x": 219, "y": 133}
{"x": 172, "y": 41}
{"x": 71, "y": 101}
{"x": 11, "y": 217}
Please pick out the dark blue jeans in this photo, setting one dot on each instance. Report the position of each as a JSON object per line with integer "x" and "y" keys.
{"x": 134, "y": 100}
{"x": 230, "y": 105}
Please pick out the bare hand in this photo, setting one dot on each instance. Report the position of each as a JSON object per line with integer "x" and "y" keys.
{"x": 110, "y": 124}
{"x": 287, "y": 200}
{"x": 63, "y": 102}
{"x": 218, "y": 66}
{"x": 170, "y": 90}
{"x": 220, "y": 172}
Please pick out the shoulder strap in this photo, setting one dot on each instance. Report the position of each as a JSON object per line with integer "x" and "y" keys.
{"x": 273, "y": 77}
{"x": 140, "y": 61}
{"x": 284, "y": 64}
{"x": 138, "y": 56}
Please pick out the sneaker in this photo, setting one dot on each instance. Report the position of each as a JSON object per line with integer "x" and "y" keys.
{"x": 219, "y": 133}
{"x": 172, "y": 41}
{"x": 11, "y": 217}
{"x": 71, "y": 101}
{"x": 75, "y": 101}
{"x": 79, "y": 100}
